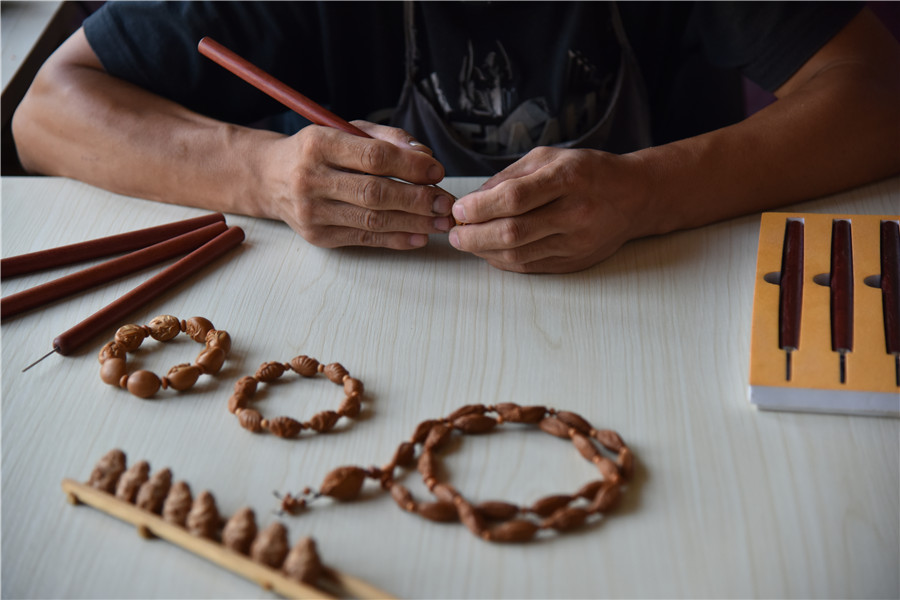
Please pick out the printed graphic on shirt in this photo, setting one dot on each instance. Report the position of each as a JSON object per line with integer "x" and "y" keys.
{"x": 484, "y": 105}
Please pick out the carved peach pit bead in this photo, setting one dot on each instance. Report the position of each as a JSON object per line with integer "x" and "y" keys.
{"x": 426, "y": 465}
{"x": 468, "y": 409}
{"x": 107, "y": 471}
{"x": 422, "y": 429}
{"x": 218, "y": 338}
{"x": 182, "y": 377}
{"x": 303, "y": 563}
{"x": 203, "y": 518}
{"x": 211, "y": 359}
{"x": 470, "y": 518}
{"x": 575, "y": 421}
{"x": 240, "y": 530}
{"x": 547, "y": 505}
{"x": 130, "y": 337}
{"x": 324, "y": 421}
{"x": 164, "y": 327}
{"x": 350, "y": 407}
{"x": 178, "y": 504}
{"x": 131, "y": 480}
{"x": 566, "y": 519}
{"x": 246, "y": 385}
{"x": 520, "y": 414}
{"x": 343, "y": 483}
{"x": 250, "y": 420}
{"x": 441, "y": 512}
{"x": 625, "y": 460}
{"x": 271, "y": 546}
{"x": 515, "y": 531}
{"x": 605, "y": 499}
{"x": 586, "y": 447}
{"x": 445, "y": 492}
{"x": 497, "y": 511}
{"x": 353, "y": 386}
{"x": 143, "y": 384}
{"x": 335, "y": 372}
{"x": 112, "y": 370}
{"x": 474, "y": 423}
{"x": 304, "y": 365}
{"x": 404, "y": 455}
{"x": 589, "y": 490}
{"x": 437, "y": 437}
{"x": 269, "y": 371}
{"x": 609, "y": 439}
{"x": 237, "y": 401}
{"x": 607, "y": 468}
{"x": 152, "y": 493}
{"x": 285, "y": 427}
{"x": 554, "y": 426}
{"x": 197, "y": 328}
{"x": 403, "y": 497}
{"x": 111, "y": 350}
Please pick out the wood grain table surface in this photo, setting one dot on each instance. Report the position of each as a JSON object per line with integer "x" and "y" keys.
{"x": 726, "y": 501}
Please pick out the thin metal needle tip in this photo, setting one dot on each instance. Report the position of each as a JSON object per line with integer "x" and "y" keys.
{"x": 897, "y": 369}
{"x": 787, "y": 365}
{"x": 39, "y": 360}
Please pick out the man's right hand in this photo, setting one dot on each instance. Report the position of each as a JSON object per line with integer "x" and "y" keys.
{"x": 338, "y": 189}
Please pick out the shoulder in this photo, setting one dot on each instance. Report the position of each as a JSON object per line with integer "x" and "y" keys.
{"x": 768, "y": 41}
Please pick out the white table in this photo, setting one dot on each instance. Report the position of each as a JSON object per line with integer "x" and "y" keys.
{"x": 23, "y": 26}
{"x": 726, "y": 501}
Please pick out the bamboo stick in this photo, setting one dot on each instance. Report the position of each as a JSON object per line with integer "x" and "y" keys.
{"x": 149, "y": 525}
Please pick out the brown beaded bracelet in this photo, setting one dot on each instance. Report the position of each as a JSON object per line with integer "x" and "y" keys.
{"x": 181, "y": 377}
{"x": 492, "y": 521}
{"x": 287, "y": 427}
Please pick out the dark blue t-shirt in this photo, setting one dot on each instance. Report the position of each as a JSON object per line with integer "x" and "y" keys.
{"x": 350, "y": 56}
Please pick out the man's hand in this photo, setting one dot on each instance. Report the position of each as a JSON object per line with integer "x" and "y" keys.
{"x": 553, "y": 211}
{"x": 834, "y": 126}
{"x": 337, "y": 189}
{"x": 330, "y": 186}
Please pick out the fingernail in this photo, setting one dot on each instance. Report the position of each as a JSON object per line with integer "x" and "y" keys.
{"x": 417, "y": 240}
{"x": 459, "y": 213}
{"x": 435, "y": 173}
{"x": 443, "y": 224}
{"x": 419, "y": 146}
{"x": 454, "y": 239}
{"x": 441, "y": 205}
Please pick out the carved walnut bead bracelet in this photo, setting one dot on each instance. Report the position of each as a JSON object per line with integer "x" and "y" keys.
{"x": 181, "y": 377}
{"x": 493, "y": 521}
{"x": 287, "y": 427}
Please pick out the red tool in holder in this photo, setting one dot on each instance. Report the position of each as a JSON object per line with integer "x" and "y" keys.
{"x": 826, "y": 314}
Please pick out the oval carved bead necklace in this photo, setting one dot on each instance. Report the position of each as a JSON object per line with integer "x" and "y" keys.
{"x": 181, "y": 377}
{"x": 491, "y": 521}
{"x": 287, "y": 427}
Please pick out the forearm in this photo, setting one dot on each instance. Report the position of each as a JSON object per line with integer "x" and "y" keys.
{"x": 831, "y": 129}
{"x": 80, "y": 122}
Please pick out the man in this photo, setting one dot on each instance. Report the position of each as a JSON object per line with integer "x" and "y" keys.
{"x": 127, "y": 105}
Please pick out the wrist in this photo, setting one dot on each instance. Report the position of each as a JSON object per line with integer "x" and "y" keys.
{"x": 260, "y": 182}
{"x": 644, "y": 204}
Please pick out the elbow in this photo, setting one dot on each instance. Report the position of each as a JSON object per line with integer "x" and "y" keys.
{"x": 23, "y": 125}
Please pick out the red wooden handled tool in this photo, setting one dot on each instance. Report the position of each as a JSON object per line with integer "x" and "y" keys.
{"x": 105, "y": 246}
{"x": 68, "y": 341}
{"x": 278, "y": 90}
{"x": 791, "y": 294}
{"x": 841, "y": 292}
{"x": 107, "y": 271}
